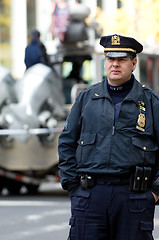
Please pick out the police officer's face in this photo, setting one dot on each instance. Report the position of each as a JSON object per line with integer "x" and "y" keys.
{"x": 119, "y": 70}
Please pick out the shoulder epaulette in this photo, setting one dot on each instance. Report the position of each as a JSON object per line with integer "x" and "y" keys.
{"x": 151, "y": 91}
{"x": 146, "y": 87}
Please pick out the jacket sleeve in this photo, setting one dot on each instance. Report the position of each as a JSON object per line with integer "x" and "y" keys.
{"x": 67, "y": 148}
{"x": 155, "y": 112}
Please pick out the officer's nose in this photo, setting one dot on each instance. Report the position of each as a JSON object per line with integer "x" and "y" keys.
{"x": 115, "y": 62}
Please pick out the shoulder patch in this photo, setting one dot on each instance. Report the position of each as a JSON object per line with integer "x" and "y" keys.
{"x": 66, "y": 124}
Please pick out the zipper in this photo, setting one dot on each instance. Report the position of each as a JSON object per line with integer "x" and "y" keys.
{"x": 113, "y": 130}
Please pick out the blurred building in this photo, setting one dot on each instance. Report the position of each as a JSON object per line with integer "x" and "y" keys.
{"x": 19, "y": 17}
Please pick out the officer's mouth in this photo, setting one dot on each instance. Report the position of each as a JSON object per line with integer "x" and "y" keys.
{"x": 116, "y": 72}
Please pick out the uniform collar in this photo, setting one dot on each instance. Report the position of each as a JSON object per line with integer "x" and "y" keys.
{"x": 122, "y": 88}
{"x": 135, "y": 94}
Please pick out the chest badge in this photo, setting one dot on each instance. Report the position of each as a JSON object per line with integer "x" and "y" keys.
{"x": 141, "y": 121}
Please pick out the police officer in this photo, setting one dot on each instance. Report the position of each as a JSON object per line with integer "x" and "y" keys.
{"x": 108, "y": 151}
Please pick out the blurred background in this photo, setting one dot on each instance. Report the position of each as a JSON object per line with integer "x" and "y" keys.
{"x": 18, "y": 18}
{"x": 36, "y": 96}
{"x": 49, "y": 52}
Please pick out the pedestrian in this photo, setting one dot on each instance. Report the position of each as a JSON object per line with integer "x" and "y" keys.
{"x": 108, "y": 151}
{"x": 35, "y": 52}
{"x": 60, "y": 19}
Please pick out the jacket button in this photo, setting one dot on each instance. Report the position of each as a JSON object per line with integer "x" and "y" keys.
{"x": 144, "y": 148}
{"x": 82, "y": 142}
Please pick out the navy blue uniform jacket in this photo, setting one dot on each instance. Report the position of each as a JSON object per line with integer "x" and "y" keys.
{"x": 91, "y": 143}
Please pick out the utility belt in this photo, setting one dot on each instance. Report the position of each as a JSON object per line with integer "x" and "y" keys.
{"x": 138, "y": 180}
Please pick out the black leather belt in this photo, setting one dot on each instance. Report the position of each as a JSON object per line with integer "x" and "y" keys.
{"x": 88, "y": 181}
{"x": 138, "y": 180}
{"x": 112, "y": 180}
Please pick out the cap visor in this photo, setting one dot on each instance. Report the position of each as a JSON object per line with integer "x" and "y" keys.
{"x": 117, "y": 54}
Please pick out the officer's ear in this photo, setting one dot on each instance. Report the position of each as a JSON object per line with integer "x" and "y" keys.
{"x": 134, "y": 61}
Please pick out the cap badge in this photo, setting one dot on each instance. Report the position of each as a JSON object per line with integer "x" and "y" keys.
{"x": 115, "y": 40}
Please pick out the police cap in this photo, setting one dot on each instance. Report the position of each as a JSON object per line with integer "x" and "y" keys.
{"x": 120, "y": 46}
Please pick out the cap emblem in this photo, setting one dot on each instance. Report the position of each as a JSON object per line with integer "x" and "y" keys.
{"x": 115, "y": 40}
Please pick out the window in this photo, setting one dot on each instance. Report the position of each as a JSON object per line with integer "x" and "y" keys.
{"x": 99, "y": 3}
{"x": 119, "y": 4}
{"x": 31, "y": 18}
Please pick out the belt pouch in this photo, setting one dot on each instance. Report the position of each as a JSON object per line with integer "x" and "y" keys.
{"x": 87, "y": 181}
{"x": 136, "y": 179}
{"x": 146, "y": 178}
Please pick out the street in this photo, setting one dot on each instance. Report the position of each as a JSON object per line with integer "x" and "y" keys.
{"x": 44, "y": 216}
